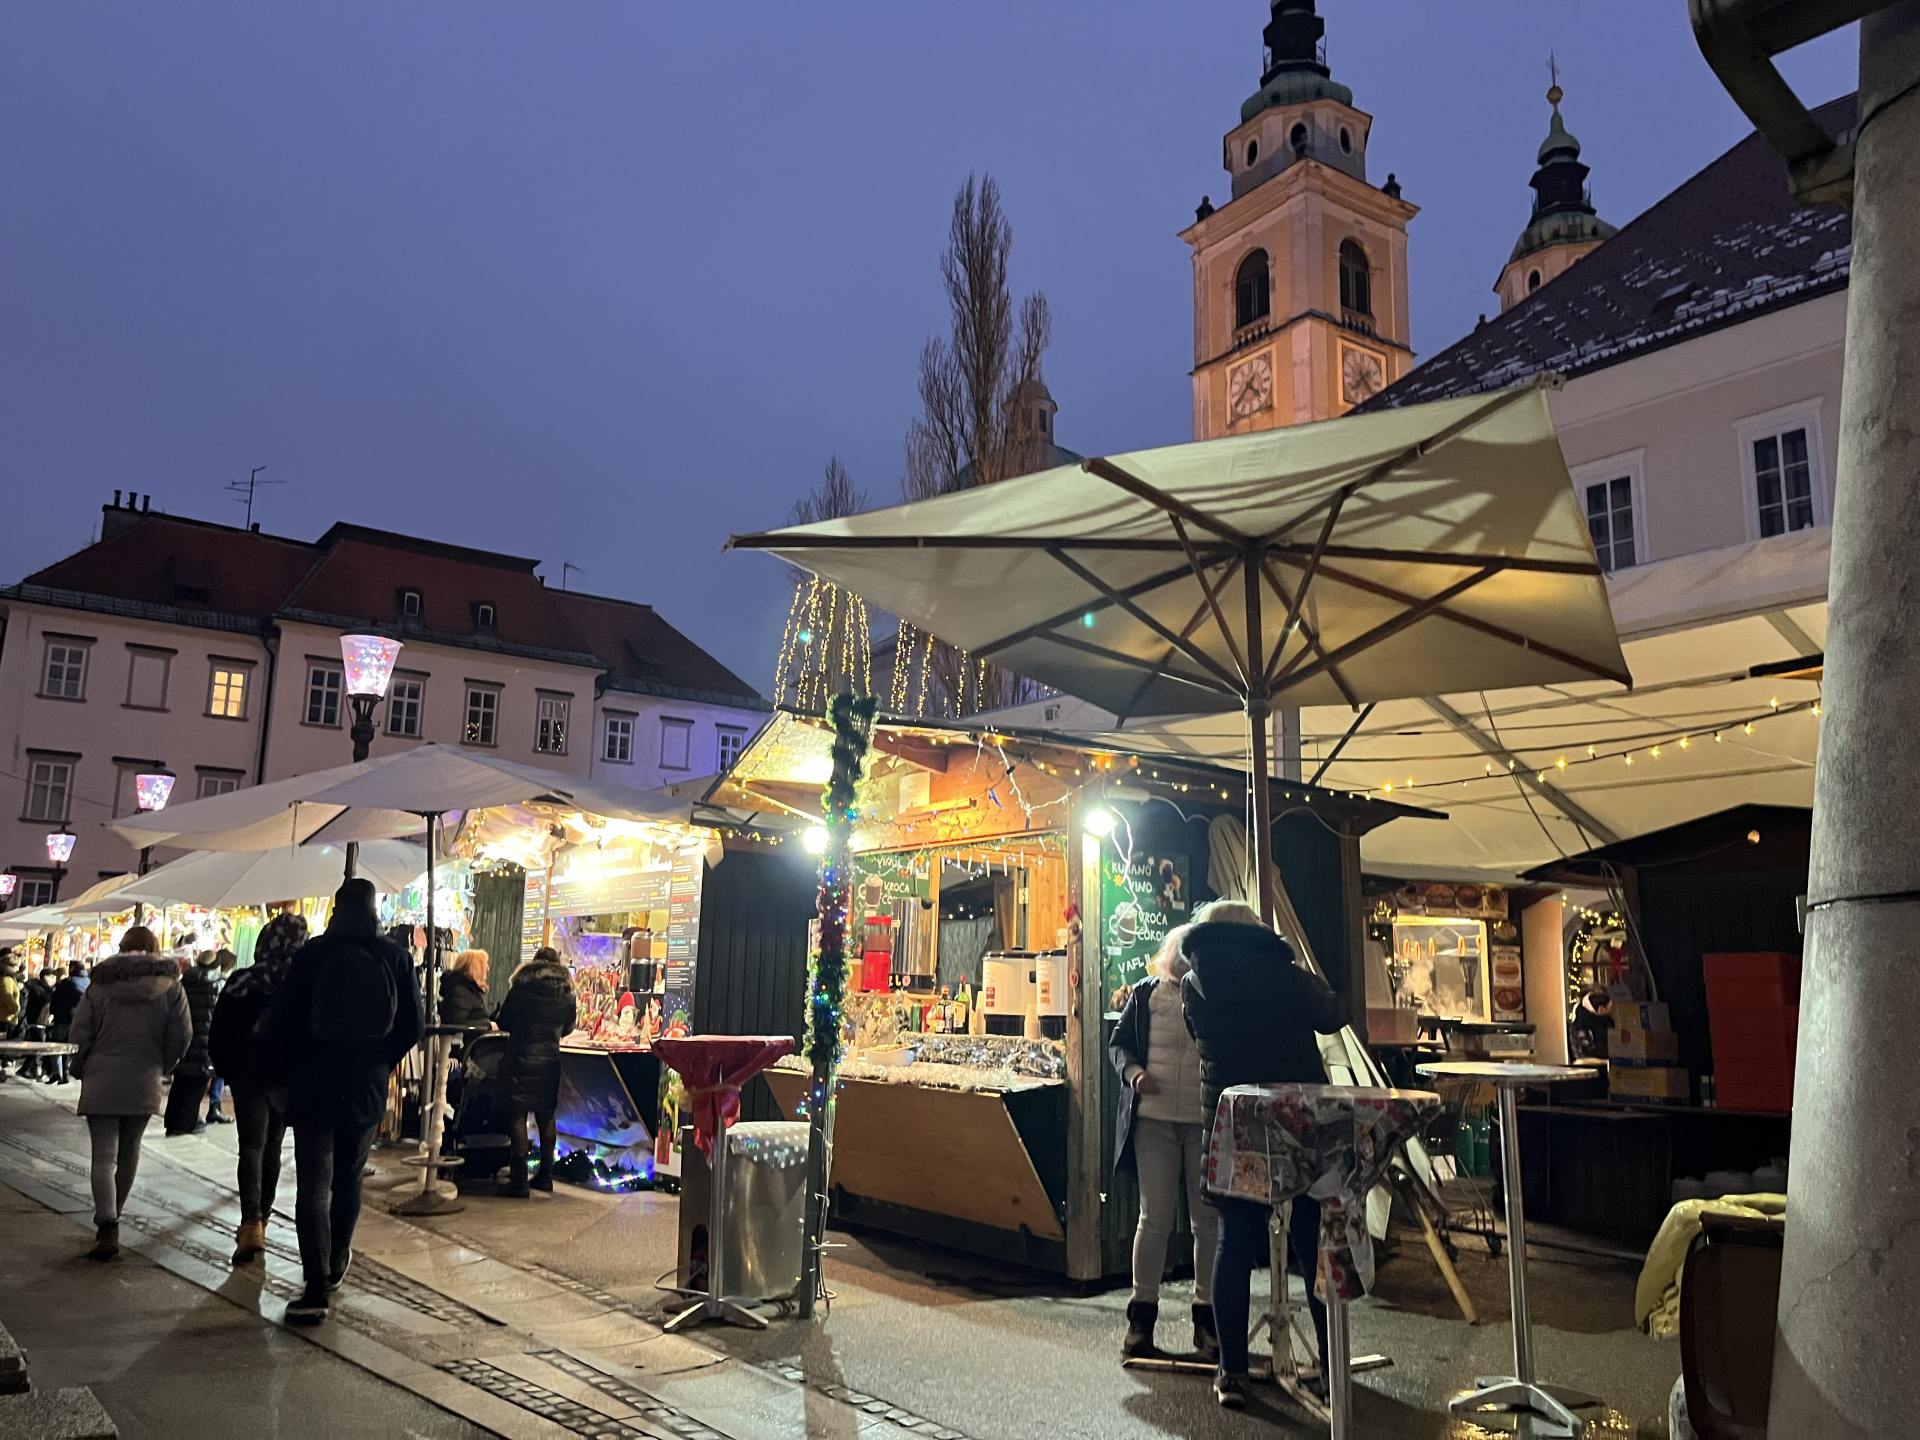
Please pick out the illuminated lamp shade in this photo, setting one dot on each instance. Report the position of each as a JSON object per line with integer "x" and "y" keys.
{"x": 7, "y": 886}
{"x": 152, "y": 791}
{"x": 60, "y": 846}
{"x": 815, "y": 839}
{"x": 1098, "y": 823}
{"x": 369, "y": 663}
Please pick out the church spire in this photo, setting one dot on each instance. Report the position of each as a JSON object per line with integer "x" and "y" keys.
{"x": 1296, "y": 40}
{"x": 1563, "y": 225}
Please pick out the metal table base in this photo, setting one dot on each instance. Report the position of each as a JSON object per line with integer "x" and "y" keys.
{"x": 714, "y": 1303}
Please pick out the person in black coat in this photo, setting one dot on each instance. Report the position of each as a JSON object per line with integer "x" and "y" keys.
{"x": 238, "y": 1048}
{"x": 538, "y": 1011}
{"x": 347, "y": 1014}
{"x": 201, "y": 980}
{"x": 463, "y": 989}
{"x": 66, "y": 1000}
{"x": 1253, "y": 1013}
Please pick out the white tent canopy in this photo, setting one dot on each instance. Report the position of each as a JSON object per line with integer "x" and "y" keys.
{"x": 217, "y": 879}
{"x": 23, "y": 924}
{"x": 383, "y": 798}
{"x": 100, "y": 899}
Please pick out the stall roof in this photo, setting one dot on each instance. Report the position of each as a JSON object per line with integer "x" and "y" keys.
{"x": 791, "y": 752}
{"x": 1728, "y": 832}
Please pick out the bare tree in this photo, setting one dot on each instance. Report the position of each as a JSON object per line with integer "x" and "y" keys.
{"x": 833, "y": 498}
{"x": 973, "y": 428}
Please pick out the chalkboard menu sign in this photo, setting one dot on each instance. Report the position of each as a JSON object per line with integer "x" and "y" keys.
{"x": 1142, "y": 897}
{"x": 883, "y": 879}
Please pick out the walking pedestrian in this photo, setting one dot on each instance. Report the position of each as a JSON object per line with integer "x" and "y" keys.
{"x": 538, "y": 1010}
{"x": 1253, "y": 1013}
{"x": 1159, "y": 1135}
{"x": 66, "y": 999}
{"x": 347, "y": 1013}
{"x": 131, "y": 1027}
{"x": 202, "y": 984}
{"x": 224, "y": 961}
{"x": 240, "y": 1051}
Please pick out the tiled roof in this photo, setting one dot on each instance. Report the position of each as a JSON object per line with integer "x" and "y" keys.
{"x": 1727, "y": 245}
{"x": 174, "y": 570}
{"x": 645, "y": 655}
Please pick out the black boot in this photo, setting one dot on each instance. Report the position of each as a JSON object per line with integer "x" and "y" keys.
{"x": 543, "y": 1177}
{"x": 514, "y": 1187}
{"x": 1206, "y": 1339}
{"x": 1140, "y": 1321}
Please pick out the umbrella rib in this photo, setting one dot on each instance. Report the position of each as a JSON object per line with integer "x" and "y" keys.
{"x": 1176, "y": 509}
{"x": 1312, "y": 637}
{"x": 1166, "y": 657}
{"x": 1474, "y": 622}
{"x": 1298, "y": 673}
{"x": 1295, "y": 601}
{"x": 1454, "y": 558}
{"x": 1134, "y": 663}
{"x": 1418, "y": 450}
{"x": 1180, "y": 642}
{"x": 1213, "y": 603}
{"x": 1341, "y": 743}
{"x": 776, "y": 540}
{"x": 1139, "y": 587}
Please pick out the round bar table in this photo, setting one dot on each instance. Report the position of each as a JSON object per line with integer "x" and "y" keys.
{"x": 1272, "y": 1143}
{"x": 1519, "y": 1391}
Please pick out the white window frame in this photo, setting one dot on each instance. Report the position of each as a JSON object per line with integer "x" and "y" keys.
{"x": 244, "y": 674}
{"x": 617, "y": 726}
{"x": 208, "y": 783}
{"x": 1631, "y": 465}
{"x": 316, "y": 669}
{"x": 491, "y": 709}
{"x": 737, "y": 735}
{"x": 63, "y": 786}
{"x": 70, "y": 648}
{"x": 32, "y": 890}
{"x": 395, "y": 700}
{"x": 552, "y": 719}
{"x": 1802, "y": 414}
{"x": 676, "y": 725}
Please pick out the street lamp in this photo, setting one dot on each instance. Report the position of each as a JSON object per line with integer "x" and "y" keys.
{"x": 369, "y": 665}
{"x": 8, "y": 882}
{"x": 151, "y": 792}
{"x": 60, "y": 845}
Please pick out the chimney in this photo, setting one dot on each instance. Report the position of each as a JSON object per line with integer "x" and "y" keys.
{"x": 116, "y": 499}
{"x": 146, "y": 503}
{"x": 254, "y": 527}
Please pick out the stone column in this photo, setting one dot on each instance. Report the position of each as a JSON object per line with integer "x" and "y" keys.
{"x": 1844, "y": 1360}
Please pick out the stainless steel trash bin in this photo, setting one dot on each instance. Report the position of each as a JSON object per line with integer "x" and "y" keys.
{"x": 766, "y": 1209}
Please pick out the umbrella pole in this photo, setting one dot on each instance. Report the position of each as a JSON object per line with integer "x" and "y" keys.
{"x": 1259, "y": 732}
{"x": 353, "y": 857}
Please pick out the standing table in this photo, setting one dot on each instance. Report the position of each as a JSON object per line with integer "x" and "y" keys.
{"x": 714, "y": 1068}
{"x": 1518, "y": 1391}
{"x": 34, "y": 1050}
{"x": 1271, "y": 1143}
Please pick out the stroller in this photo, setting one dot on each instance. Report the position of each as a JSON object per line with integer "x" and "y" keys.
{"x": 481, "y": 1114}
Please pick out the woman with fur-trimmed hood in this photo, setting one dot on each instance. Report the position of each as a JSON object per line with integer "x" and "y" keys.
{"x": 538, "y": 1011}
{"x": 131, "y": 1028}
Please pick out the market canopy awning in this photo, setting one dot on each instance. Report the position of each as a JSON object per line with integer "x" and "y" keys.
{"x": 384, "y": 798}
{"x": 1360, "y": 559}
{"x": 23, "y": 924}
{"x": 101, "y": 898}
{"x": 217, "y": 879}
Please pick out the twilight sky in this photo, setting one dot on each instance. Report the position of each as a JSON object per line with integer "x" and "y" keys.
{"x": 603, "y": 281}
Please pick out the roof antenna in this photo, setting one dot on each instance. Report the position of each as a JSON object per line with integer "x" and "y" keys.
{"x": 243, "y": 490}
{"x": 567, "y": 567}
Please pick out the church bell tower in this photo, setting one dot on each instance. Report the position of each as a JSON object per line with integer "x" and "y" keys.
{"x": 1300, "y": 278}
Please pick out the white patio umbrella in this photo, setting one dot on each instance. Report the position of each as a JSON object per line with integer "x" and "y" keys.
{"x": 102, "y": 898}
{"x": 25, "y": 924}
{"x": 217, "y": 879}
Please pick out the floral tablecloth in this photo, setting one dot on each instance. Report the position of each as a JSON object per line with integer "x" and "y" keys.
{"x": 714, "y": 1067}
{"x": 1271, "y": 1143}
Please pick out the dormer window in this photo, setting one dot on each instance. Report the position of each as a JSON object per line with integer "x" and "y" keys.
{"x": 412, "y": 606}
{"x": 1253, "y": 153}
{"x": 483, "y": 617}
{"x": 1297, "y": 138}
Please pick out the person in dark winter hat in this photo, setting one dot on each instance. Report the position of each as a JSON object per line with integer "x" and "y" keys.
{"x": 131, "y": 1027}
{"x": 1253, "y": 1013}
{"x": 238, "y": 1046}
{"x": 538, "y": 1011}
{"x": 348, "y": 1012}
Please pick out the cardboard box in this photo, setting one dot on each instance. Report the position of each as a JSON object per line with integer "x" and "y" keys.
{"x": 1642, "y": 1015}
{"x": 1650, "y": 1082}
{"x": 1661, "y": 1047}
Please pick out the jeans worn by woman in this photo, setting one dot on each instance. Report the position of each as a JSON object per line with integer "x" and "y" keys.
{"x": 1243, "y": 1241}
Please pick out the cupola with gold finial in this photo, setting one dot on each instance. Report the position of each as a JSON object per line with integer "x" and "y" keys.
{"x": 1564, "y": 225}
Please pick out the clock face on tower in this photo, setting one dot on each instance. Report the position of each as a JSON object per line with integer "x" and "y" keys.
{"x": 1250, "y": 386}
{"x": 1361, "y": 374}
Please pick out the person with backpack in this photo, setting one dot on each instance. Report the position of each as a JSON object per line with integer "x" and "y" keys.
{"x": 538, "y": 1011}
{"x": 238, "y": 1046}
{"x": 348, "y": 1012}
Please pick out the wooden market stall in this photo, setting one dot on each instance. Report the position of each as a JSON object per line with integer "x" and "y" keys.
{"x": 1008, "y": 887}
